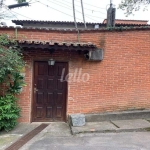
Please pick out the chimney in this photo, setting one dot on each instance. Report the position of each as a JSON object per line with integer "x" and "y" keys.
{"x": 111, "y": 15}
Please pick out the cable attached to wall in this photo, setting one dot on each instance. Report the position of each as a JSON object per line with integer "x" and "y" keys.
{"x": 74, "y": 15}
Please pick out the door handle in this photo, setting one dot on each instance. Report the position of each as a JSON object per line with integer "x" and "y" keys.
{"x": 35, "y": 90}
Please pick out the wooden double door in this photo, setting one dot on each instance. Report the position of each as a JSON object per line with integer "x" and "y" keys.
{"x": 50, "y": 92}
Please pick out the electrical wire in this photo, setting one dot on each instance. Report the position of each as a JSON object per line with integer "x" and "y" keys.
{"x": 87, "y": 8}
{"x": 87, "y": 15}
{"x": 16, "y": 13}
{"x": 3, "y": 15}
{"x": 57, "y": 10}
{"x": 12, "y": 13}
{"x": 33, "y": 2}
{"x": 76, "y": 9}
{"x": 69, "y": 7}
{"x": 92, "y": 5}
{"x": 21, "y": 15}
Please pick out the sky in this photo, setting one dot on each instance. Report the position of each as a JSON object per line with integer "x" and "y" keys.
{"x": 61, "y": 10}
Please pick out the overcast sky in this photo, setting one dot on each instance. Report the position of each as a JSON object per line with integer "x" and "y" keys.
{"x": 61, "y": 10}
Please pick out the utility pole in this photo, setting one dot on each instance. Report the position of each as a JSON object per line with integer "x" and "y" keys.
{"x": 83, "y": 14}
{"x": 74, "y": 15}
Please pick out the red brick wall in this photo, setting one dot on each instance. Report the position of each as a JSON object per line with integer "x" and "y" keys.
{"x": 120, "y": 82}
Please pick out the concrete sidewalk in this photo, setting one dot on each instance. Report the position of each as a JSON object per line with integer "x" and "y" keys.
{"x": 62, "y": 130}
{"x": 113, "y": 126}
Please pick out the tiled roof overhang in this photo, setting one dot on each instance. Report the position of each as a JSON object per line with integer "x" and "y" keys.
{"x": 55, "y": 45}
{"x": 21, "y": 22}
{"x": 127, "y": 20}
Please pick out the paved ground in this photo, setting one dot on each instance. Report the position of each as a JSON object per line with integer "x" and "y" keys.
{"x": 7, "y": 138}
{"x": 57, "y": 136}
{"x": 101, "y": 141}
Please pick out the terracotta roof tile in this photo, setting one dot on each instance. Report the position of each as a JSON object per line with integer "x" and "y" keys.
{"x": 52, "y": 22}
{"x": 129, "y": 22}
{"x": 75, "y": 44}
{"x": 133, "y": 22}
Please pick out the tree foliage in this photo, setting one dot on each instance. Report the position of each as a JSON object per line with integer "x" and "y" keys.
{"x": 11, "y": 61}
{"x": 11, "y": 81}
{"x": 9, "y": 112}
{"x": 133, "y": 5}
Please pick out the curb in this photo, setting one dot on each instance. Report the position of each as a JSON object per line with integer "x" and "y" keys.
{"x": 111, "y": 131}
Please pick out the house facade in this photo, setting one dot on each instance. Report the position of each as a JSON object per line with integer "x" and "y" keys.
{"x": 121, "y": 81}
